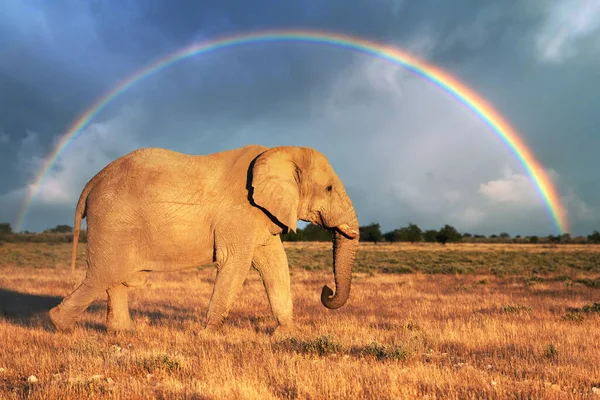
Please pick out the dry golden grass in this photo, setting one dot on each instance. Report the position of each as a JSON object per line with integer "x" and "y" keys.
{"x": 475, "y": 333}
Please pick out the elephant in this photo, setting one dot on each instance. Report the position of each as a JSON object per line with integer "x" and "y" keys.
{"x": 159, "y": 210}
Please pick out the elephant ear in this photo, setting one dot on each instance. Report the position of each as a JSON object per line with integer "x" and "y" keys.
{"x": 276, "y": 185}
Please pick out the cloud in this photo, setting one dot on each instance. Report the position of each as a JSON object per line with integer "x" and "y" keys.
{"x": 95, "y": 147}
{"x": 470, "y": 216}
{"x": 556, "y": 31}
{"x": 514, "y": 193}
{"x": 578, "y": 210}
{"x": 426, "y": 158}
{"x": 422, "y": 153}
{"x": 397, "y": 6}
{"x": 406, "y": 149}
{"x": 29, "y": 154}
{"x": 4, "y": 138}
{"x": 512, "y": 188}
{"x": 453, "y": 196}
{"x": 568, "y": 24}
{"x": 481, "y": 26}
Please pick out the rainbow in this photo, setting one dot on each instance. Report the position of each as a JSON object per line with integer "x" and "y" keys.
{"x": 435, "y": 75}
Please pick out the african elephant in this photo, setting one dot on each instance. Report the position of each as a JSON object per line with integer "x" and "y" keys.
{"x": 159, "y": 210}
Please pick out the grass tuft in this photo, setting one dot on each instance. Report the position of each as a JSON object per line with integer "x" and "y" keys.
{"x": 381, "y": 352}
{"x": 162, "y": 362}
{"x": 321, "y": 346}
{"x": 516, "y": 308}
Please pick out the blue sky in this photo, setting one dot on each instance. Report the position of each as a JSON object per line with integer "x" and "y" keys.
{"x": 406, "y": 151}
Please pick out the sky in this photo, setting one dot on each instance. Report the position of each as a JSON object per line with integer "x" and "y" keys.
{"x": 406, "y": 150}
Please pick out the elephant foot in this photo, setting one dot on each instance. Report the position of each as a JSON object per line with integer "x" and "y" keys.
{"x": 208, "y": 332}
{"x": 60, "y": 322}
{"x": 121, "y": 326}
{"x": 285, "y": 331}
{"x": 118, "y": 318}
{"x": 64, "y": 315}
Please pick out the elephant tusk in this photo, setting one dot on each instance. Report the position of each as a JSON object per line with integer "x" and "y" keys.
{"x": 346, "y": 230}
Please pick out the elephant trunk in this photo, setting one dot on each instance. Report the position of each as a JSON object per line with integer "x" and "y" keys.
{"x": 345, "y": 244}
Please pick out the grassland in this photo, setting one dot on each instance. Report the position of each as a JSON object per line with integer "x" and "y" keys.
{"x": 423, "y": 321}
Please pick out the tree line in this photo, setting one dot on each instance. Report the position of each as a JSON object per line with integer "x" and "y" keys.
{"x": 60, "y": 233}
{"x": 372, "y": 233}
{"x": 412, "y": 233}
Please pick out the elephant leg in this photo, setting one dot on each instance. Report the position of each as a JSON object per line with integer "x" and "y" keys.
{"x": 64, "y": 315}
{"x": 231, "y": 273}
{"x": 272, "y": 264}
{"x": 118, "y": 318}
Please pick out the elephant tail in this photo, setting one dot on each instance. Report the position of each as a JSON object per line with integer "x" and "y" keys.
{"x": 80, "y": 210}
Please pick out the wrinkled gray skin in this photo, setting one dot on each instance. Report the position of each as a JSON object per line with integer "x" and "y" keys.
{"x": 158, "y": 210}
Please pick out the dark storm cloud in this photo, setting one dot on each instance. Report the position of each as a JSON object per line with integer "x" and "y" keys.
{"x": 63, "y": 55}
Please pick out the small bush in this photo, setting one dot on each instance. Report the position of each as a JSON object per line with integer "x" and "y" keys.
{"x": 321, "y": 346}
{"x": 532, "y": 280}
{"x": 591, "y": 308}
{"x": 381, "y": 352}
{"x": 397, "y": 270}
{"x": 592, "y": 283}
{"x": 561, "y": 278}
{"x": 160, "y": 362}
{"x": 586, "y": 309}
{"x": 578, "y": 314}
{"x": 314, "y": 267}
{"x": 551, "y": 352}
{"x": 572, "y": 316}
{"x": 327, "y": 345}
{"x": 516, "y": 308}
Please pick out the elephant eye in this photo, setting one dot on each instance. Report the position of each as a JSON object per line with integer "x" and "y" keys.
{"x": 329, "y": 188}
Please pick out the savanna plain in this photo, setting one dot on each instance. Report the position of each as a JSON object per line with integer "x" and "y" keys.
{"x": 423, "y": 321}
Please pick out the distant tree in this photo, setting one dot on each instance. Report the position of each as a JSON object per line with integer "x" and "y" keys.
{"x": 553, "y": 239}
{"x": 504, "y": 235}
{"x": 493, "y": 236}
{"x": 83, "y": 236}
{"x": 314, "y": 233}
{"x": 60, "y": 229}
{"x": 310, "y": 233}
{"x": 534, "y": 239}
{"x": 478, "y": 236}
{"x": 594, "y": 237}
{"x": 467, "y": 235}
{"x": 413, "y": 233}
{"x": 370, "y": 233}
{"x": 392, "y": 236}
{"x": 5, "y": 228}
{"x": 291, "y": 236}
{"x": 517, "y": 236}
{"x": 448, "y": 234}
{"x": 565, "y": 238}
{"x": 430, "y": 235}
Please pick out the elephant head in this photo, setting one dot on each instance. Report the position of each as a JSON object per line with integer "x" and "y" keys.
{"x": 298, "y": 183}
